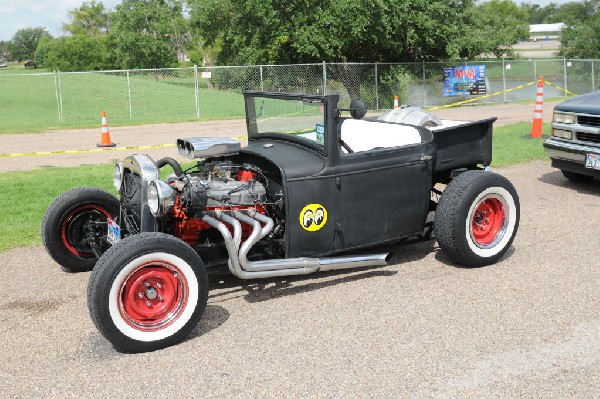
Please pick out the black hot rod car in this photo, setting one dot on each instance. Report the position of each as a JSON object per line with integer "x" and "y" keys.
{"x": 312, "y": 189}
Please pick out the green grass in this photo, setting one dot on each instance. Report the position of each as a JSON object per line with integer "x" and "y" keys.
{"x": 512, "y": 144}
{"x": 28, "y": 102}
{"x": 26, "y": 195}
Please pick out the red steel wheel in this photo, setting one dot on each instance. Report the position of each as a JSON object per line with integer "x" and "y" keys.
{"x": 153, "y": 295}
{"x": 148, "y": 291}
{"x": 488, "y": 222}
{"x": 477, "y": 218}
{"x": 74, "y": 227}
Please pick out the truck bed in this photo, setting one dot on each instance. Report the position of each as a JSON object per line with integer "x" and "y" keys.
{"x": 462, "y": 145}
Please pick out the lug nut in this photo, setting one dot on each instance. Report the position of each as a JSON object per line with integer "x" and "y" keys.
{"x": 140, "y": 295}
{"x": 160, "y": 298}
{"x": 158, "y": 285}
{"x": 148, "y": 303}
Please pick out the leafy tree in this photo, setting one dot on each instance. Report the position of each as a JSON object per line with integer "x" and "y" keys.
{"x": 501, "y": 23}
{"x": 90, "y": 19}
{"x": 25, "y": 41}
{"x": 277, "y": 31}
{"x": 73, "y": 53}
{"x": 573, "y": 13}
{"x": 4, "y": 49}
{"x": 146, "y": 33}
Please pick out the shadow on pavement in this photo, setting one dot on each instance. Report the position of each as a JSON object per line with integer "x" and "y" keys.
{"x": 557, "y": 179}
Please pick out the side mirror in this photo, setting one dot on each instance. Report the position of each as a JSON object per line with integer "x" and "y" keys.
{"x": 358, "y": 109}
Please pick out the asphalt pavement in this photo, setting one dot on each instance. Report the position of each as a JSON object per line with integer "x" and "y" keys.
{"x": 528, "y": 326}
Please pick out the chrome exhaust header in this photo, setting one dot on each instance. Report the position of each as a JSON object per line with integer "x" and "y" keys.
{"x": 240, "y": 266}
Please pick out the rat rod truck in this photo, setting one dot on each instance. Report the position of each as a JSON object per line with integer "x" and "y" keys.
{"x": 310, "y": 192}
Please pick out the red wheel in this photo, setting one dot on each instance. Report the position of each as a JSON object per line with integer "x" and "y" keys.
{"x": 477, "y": 218}
{"x": 488, "y": 222}
{"x": 74, "y": 227}
{"x": 147, "y": 292}
{"x": 153, "y": 295}
{"x": 77, "y": 224}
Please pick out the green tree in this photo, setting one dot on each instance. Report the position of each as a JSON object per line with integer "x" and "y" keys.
{"x": 573, "y": 13}
{"x": 147, "y": 33}
{"x": 25, "y": 41}
{"x": 277, "y": 31}
{"x": 502, "y": 23}
{"x": 73, "y": 53}
{"x": 90, "y": 19}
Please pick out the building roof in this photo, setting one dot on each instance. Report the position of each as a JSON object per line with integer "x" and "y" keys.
{"x": 538, "y": 28}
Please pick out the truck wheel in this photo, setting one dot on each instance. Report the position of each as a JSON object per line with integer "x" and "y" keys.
{"x": 147, "y": 292}
{"x": 576, "y": 177}
{"x": 477, "y": 218}
{"x": 70, "y": 228}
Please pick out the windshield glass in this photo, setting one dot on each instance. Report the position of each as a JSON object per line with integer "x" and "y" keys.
{"x": 297, "y": 119}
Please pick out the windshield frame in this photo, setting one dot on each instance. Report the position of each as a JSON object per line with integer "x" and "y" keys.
{"x": 250, "y": 97}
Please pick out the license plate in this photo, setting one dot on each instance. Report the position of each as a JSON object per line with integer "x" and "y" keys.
{"x": 114, "y": 232}
{"x": 592, "y": 161}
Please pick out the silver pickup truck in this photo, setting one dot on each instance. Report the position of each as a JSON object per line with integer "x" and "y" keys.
{"x": 574, "y": 145}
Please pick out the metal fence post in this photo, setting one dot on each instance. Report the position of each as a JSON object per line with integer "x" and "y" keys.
{"x": 565, "y": 72}
{"x": 129, "y": 95}
{"x": 324, "y": 78}
{"x": 424, "y": 86}
{"x": 196, "y": 91}
{"x": 376, "y": 87}
{"x": 535, "y": 76}
{"x": 593, "y": 77}
{"x": 504, "y": 79}
{"x": 60, "y": 107}
{"x": 262, "y": 85}
{"x": 57, "y": 100}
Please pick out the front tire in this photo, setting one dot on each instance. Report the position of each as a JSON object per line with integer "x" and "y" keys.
{"x": 147, "y": 292}
{"x": 75, "y": 223}
{"x": 477, "y": 218}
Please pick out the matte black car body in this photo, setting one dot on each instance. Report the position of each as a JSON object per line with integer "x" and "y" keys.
{"x": 372, "y": 197}
{"x": 311, "y": 190}
{"x": 569, "y": 154}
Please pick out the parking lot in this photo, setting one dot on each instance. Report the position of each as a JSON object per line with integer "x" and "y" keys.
{"x": 528, "y": 326}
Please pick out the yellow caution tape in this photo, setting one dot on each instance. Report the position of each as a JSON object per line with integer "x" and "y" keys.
{"x": 481, "y": 98}
{"x": 95, "y": 150}
{"x": 559, "y": 88}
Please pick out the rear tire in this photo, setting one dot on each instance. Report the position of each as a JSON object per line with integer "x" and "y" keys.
{"x": 69, "y": 222}
{"x": 147, "y": 292}
{"x": 477, "y": 218}
{"x": 576, "y": 177}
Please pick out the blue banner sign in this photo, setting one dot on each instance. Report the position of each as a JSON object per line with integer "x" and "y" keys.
{"x": 464, "y": 80}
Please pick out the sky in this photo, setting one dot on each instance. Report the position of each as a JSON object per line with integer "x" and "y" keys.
{"x": 51, "y": 14}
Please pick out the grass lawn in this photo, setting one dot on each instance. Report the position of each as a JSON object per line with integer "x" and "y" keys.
{"x": 26, "y": 195}
{"x": 30, "y": 102}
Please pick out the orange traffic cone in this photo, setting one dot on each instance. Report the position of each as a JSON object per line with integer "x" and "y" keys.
{"x": 536, "y": 127}
{"x": 395, "y": 102}
{"x": 105, "y": 135}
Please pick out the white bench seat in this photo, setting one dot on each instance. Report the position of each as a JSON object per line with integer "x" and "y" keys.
{"x": 361, "y": 135}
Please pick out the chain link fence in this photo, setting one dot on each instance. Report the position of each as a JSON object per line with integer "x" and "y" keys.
{"x": 38, "y": 101}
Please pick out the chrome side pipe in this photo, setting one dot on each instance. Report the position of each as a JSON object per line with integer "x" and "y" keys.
{"x": 240, "y": 266}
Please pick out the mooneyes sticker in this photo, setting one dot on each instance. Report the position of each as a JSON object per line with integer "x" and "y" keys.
{"x": 313, "y": 217}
